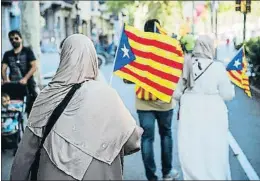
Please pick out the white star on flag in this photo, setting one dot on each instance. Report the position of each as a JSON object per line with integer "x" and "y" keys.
{"x": 237, "y": 63}
{"x": 125, "y": 50}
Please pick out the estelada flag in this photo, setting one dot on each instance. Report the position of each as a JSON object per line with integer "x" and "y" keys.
{"x": 237, "y": 69}
{"x": 151, "y": 60}
{"x": 140, "y": 92}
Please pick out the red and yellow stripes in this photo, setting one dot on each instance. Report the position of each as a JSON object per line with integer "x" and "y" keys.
{"x": 245, "y": 79}
{"x": 143, "y": 94}
{"x": 158, "y": 64}
{"x": 240, "y": 78}
{"x": 236, "y": 77}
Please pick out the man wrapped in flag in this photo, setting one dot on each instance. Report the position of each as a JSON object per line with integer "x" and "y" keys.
{"x": 237, "y": 69}
{"x": 154, "y": 63}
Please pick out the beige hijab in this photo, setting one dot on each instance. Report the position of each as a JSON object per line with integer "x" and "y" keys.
{"x": 202, "y": 55}
{"x": 78, "y": 63}
{"x": 95, "y": 124}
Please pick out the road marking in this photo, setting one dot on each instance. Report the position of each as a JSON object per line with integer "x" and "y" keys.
{"x": 249, "y": 170}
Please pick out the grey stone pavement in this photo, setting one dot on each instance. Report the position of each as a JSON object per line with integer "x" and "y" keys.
{"x": 244, "y": 121}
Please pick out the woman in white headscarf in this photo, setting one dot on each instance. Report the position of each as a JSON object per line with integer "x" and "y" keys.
{"x": 203, "y": 123}
{"x": 95, "y": 127}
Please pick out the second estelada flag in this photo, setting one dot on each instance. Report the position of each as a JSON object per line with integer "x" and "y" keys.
{"x": 150, "y": 60}
{"x": 237, "y": 69}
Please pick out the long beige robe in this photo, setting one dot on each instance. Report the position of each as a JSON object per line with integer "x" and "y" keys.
{"x": 97, "y": 170}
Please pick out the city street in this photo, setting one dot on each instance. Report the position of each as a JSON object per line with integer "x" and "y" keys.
{"x": 244, "y": 117}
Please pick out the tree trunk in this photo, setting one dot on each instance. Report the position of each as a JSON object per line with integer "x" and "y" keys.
{"x": 139, "y": 17}
{"x": 30, "y": 29}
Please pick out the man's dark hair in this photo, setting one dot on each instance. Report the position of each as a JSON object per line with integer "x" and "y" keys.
{"x": 149, "y": 25}
{"x": 14, "y": 32}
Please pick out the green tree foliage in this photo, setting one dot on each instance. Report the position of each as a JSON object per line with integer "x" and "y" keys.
{"x": 159, "y": 9}
{"x": 116, "y": 7}
{"x": 226, "y": 6}
{"x": 252, "y": 51}
{"x": 166, "y": 11}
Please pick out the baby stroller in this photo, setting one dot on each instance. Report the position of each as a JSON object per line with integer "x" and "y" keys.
{"x": 18, "y": 95}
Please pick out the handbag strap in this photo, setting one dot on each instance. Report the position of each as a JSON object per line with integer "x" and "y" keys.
{"x": 203, "y": 71}
{"x": 200, "y": 74}
{"x": 51, "y": 122}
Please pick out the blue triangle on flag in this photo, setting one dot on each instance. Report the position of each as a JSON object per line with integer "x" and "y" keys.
{"x": 124, "y": 54}
{"x": 236, "y": 62}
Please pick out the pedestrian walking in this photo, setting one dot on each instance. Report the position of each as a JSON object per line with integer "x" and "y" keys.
{"x": 148, "y": 111}
{"x": 227, "y": 41}
{"x": 203, "y": 124}
{"x": 22, "y": 64}
{"x": 187, "y": 42}
{"x": 81, "y": 124}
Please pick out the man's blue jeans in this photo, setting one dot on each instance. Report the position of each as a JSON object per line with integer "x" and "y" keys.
{"x": 147, "y": 122}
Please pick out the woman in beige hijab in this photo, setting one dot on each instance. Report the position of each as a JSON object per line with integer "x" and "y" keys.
{"x": 95, "y": 127}
{"x": 203, "y": 123}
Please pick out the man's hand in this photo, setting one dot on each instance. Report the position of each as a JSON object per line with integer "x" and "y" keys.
{"x": 23, "y": 81}
{"x": 13, "y": 109}
{"x": 30, "y": 73}
{"x": 127, "y": 81}
{"x": 3, "y": 72}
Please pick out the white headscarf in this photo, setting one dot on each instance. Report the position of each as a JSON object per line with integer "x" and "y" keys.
{"x": 96, "y": 121}
{"x": 202, "y": 55}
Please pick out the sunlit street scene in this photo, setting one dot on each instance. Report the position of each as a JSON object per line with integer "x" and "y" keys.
{"x": 130, "y": 90}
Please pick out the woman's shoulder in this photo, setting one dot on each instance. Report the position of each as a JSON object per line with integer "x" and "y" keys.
{"x": 100, "y": 87}
{"x": 219, "y": 64}
{"x": 99, "y": 92}
{"x": 219, "y": 69}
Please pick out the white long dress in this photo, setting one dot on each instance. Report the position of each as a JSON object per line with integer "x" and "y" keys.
{"x": 203, "y": 126}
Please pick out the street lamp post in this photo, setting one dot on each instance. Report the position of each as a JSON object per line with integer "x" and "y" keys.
{"x": 244, "y": 31}
{"x": 212, "y": 8}
{"x": 216, "y": 26}
{"x": 77, "y": 17}
{"x": 243, "y": 6}
{"x": 216, "y": 23}
{"x": 102, "y": 23}
{"x": 193, "y": 6}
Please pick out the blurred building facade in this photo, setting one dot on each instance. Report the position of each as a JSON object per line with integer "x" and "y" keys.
{"x": 11, "y": 15}
{"x": 60, "y": 19}
{"x": 63, "y": 18}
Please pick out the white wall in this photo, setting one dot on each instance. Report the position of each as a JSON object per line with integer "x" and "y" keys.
{"x": 5, "y": 28}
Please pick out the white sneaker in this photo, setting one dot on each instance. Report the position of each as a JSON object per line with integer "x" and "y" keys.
{"x": 173, "y": 175}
